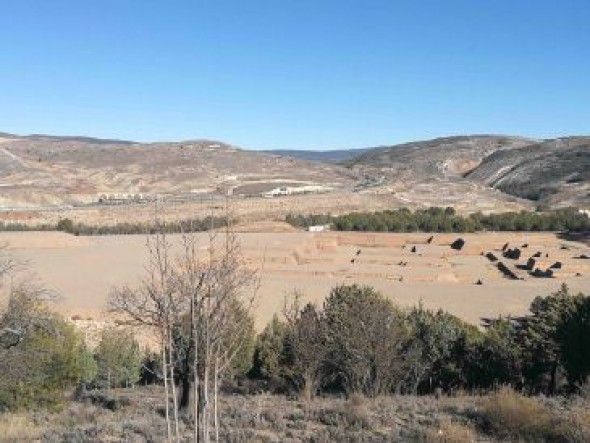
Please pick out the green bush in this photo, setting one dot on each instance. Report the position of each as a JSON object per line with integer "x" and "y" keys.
{"x": 49, "y": 360}
{"x": 118, "y": 357}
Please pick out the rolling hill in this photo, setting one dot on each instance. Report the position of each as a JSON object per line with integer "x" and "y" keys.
{"x": 50, "y": 170}
{"x": 488, "y": 173}
{"x": 554, "y": 172}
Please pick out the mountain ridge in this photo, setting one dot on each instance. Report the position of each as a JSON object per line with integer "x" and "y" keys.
{"x": 474, "y": 172}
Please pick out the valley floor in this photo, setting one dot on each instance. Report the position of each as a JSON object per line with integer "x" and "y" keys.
{"x": 83, "y": 270}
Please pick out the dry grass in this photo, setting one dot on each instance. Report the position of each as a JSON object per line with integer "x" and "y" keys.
{"x": 450, "y": 432}
{"x": 18, "y": 427}
{"x": 511, "y": 415}
{"x": 504, "y": 416}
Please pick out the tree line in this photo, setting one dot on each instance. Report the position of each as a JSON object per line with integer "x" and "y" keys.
{"x": 433, "y": 219}
{"x": 69, "y": 226}
{"x": 447, "y": 220}
{"x": 130, "y": 228}
{"x": 359, "y": 341}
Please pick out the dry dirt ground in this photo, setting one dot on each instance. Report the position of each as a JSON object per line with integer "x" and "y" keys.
{"x": 83, "y": 270}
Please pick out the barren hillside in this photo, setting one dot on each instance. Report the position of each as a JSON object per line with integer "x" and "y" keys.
{"x": 43, "y": 170}
{"x": 440, "y": 157}
{"x": 555, "y": 172}
{"x": 44, "y": 178}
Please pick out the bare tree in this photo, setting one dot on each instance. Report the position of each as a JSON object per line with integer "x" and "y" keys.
{"x": 155, "y": 304}
{"x": 24, "y": 312}
{"x": 221, "y": 290}
{"x": 200, "y": 305}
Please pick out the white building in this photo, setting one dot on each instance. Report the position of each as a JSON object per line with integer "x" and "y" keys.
{"x": 318, "y": 228}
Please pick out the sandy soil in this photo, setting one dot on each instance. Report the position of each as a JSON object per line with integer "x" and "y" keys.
{"x": 84, "y": 269}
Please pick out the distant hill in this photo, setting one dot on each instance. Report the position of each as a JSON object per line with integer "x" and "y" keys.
{"x": 81, "y": 139}
{"x": 471, "y": 173}
{"x": 554, "y": 171}
{"x": 438, "y": 157}
{"x": 43, "y": 170}
{"x": 334, "y": 156}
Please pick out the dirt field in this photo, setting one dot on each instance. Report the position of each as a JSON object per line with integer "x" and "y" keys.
{"x": 84, "y": 269}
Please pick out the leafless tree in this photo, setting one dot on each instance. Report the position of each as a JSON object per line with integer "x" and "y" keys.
{"x": 221, "y": 290}
{"x": 200, "y": 305}
{"x": 155, "y": 304}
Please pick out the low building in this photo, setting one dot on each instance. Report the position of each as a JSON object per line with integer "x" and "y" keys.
{"x": 294, "y": 190}
{"x": 318, "y": 228}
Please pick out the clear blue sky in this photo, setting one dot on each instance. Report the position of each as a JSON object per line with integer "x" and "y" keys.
{"x": 295, "y": 73}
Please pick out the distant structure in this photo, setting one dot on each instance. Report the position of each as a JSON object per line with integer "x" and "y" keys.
{"x": 318, "y": 228}
{"x": 586, "y": 212}
{"x": 295, "y": 190}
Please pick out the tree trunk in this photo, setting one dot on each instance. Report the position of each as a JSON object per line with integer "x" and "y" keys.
{"x": 195, "y": 366}
{"x": 166, "y": 394}
{"x": 307, "y": 387}
{"x": 203, "y": 412}
{"x": 196, "y": 400}
{"x": 184, "y": 404}
{"x": 215, "y": 391}
{"x": 173, "y": 384}
{"x": 553, "y": 382}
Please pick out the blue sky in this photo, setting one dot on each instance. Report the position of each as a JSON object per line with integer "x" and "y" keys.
{"x": 295, "y": 74}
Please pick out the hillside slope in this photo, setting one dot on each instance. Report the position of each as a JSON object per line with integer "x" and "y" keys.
{"x": 440, "y": 157}
{"x": 554, "y": 172}
{"x": 334, "y": 156}
{"x": 44, "y": 170}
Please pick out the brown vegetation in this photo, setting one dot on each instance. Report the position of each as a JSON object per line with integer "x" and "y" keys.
{"x": 502, "y": 417}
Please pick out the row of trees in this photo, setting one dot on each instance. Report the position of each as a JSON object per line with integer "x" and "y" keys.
{"x": 128, "y": 228}
{"x": 446, "y": 220}
{"x": 361, "y": 342}
{"x": 125, "y": 228}
{"x": 401, "y": 220}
